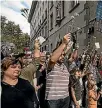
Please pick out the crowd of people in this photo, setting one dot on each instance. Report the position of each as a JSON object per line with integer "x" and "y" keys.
{"x": 52, "y": 80}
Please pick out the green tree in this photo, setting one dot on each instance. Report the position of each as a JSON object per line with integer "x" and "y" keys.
{"x": 10, "y": 32}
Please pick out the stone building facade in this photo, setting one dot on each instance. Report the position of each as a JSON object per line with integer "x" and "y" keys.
{"x": 53, "y": 19}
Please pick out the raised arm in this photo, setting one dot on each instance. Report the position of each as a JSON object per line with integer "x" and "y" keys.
{"x": 57, "y": 53}
{"x": 96, "y": 97}
{"x": 75, "y": 54}
{"x": 36, "y": 49}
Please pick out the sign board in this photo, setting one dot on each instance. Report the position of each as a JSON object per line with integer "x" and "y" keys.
{"x": 99, "y": 11}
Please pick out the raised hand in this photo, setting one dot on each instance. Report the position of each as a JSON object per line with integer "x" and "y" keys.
{"x": 66, "y": 38}
{"x": 37, "y": 44}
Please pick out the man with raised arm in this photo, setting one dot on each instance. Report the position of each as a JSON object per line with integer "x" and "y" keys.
{"x": 57, "y": 81}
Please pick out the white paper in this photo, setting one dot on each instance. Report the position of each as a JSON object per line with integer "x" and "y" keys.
{"x": 41, "y": 39}
{"x": 97, "y": 45}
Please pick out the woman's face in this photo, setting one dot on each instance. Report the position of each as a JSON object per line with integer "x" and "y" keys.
{"x": 91, "y": 77}
{"x": 78, "y": 73}
{"x": 13, "y": 71}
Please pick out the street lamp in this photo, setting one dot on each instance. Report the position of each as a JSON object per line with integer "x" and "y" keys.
{"x": 24, "y": 12}
{"x": 72, "y": 27}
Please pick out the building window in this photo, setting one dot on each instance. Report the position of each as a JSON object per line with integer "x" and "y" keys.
{"x": 40, "y": 33}
{"x": 38, "y": 5}
{"x": 38, "y": 25}
{"x": 73, "y": 5}
{"x": 59, "y": 11}
{"x": 51, "y": 4}
{"x": 40, "y": 22}
{"x": 42, "y": 49}
{"x": 35, "y": 22}
{"x": 45, "y": 47}
{"x": 51, "y": 47}
{"x": 43, "y": 4}
{"x": 40, "y": 11}
{"x": 45, "y": 31}
{"x": 35, "y": 31}
{"x": 38, "y": 15}
{"x": 62, "y": 14}
{"x": 42, "y": 17}
{"x": 45, "y": 13}
{"x": 51, "y": 21}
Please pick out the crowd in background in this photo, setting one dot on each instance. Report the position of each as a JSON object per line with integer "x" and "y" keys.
{"x": 52, "y": 80}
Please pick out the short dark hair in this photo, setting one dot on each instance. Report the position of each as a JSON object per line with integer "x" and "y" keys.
{"x": 74, "y": 70}
{"x": 7, "y": 62}
{"x": 20, "y": 55}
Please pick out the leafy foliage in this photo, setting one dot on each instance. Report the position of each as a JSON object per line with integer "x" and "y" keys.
{"x": 10, "y": 32}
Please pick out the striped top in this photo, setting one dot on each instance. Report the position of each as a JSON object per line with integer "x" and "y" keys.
{"x": 57, "y": 82}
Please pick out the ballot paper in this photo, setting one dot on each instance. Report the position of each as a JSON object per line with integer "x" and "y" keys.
{"x": 97, "y": 45}
{"x": 41, "y": 39}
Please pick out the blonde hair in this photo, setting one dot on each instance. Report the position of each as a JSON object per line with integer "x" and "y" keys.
{"x": 90, "y": 84}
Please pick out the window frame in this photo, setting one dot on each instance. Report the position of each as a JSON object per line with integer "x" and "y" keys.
{"x": 76, "y": 4}
{"x": 51, "y": 21}
{"x": 51, "y": 4}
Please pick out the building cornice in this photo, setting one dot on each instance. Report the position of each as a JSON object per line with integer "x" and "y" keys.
{"x": 32, "y": 9}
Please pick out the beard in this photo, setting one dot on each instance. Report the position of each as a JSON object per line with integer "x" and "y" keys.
{"x": 60, "y": 61}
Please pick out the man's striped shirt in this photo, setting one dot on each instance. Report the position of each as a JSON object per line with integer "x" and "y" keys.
{"x": 57, "y": 83}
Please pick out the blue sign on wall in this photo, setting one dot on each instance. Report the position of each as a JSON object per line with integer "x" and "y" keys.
{"x": 99, "y": 11}
{"x": 99, "y": 16}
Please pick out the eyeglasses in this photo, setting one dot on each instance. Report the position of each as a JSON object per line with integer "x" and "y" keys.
{"x": 15, "y": 63}
{"x": 15, "y": 66}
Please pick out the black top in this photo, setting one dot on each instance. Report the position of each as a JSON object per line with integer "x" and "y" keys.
{"x": 41, "y": 80}
{"x": 75, "y": 83}
{"x": 41, "y": 76}
{"x": 22, "y": 95}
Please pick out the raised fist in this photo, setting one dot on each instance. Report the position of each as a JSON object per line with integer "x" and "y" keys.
{"x": 37, "y": 44}
{"x": 66, "y": 38}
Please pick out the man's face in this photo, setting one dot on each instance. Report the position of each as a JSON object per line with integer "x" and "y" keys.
{"x": 42, "y": 57}
{"x": 23, "y": 59}
{"x": 61, "y": 59}
{"x": 91, "y": 77}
